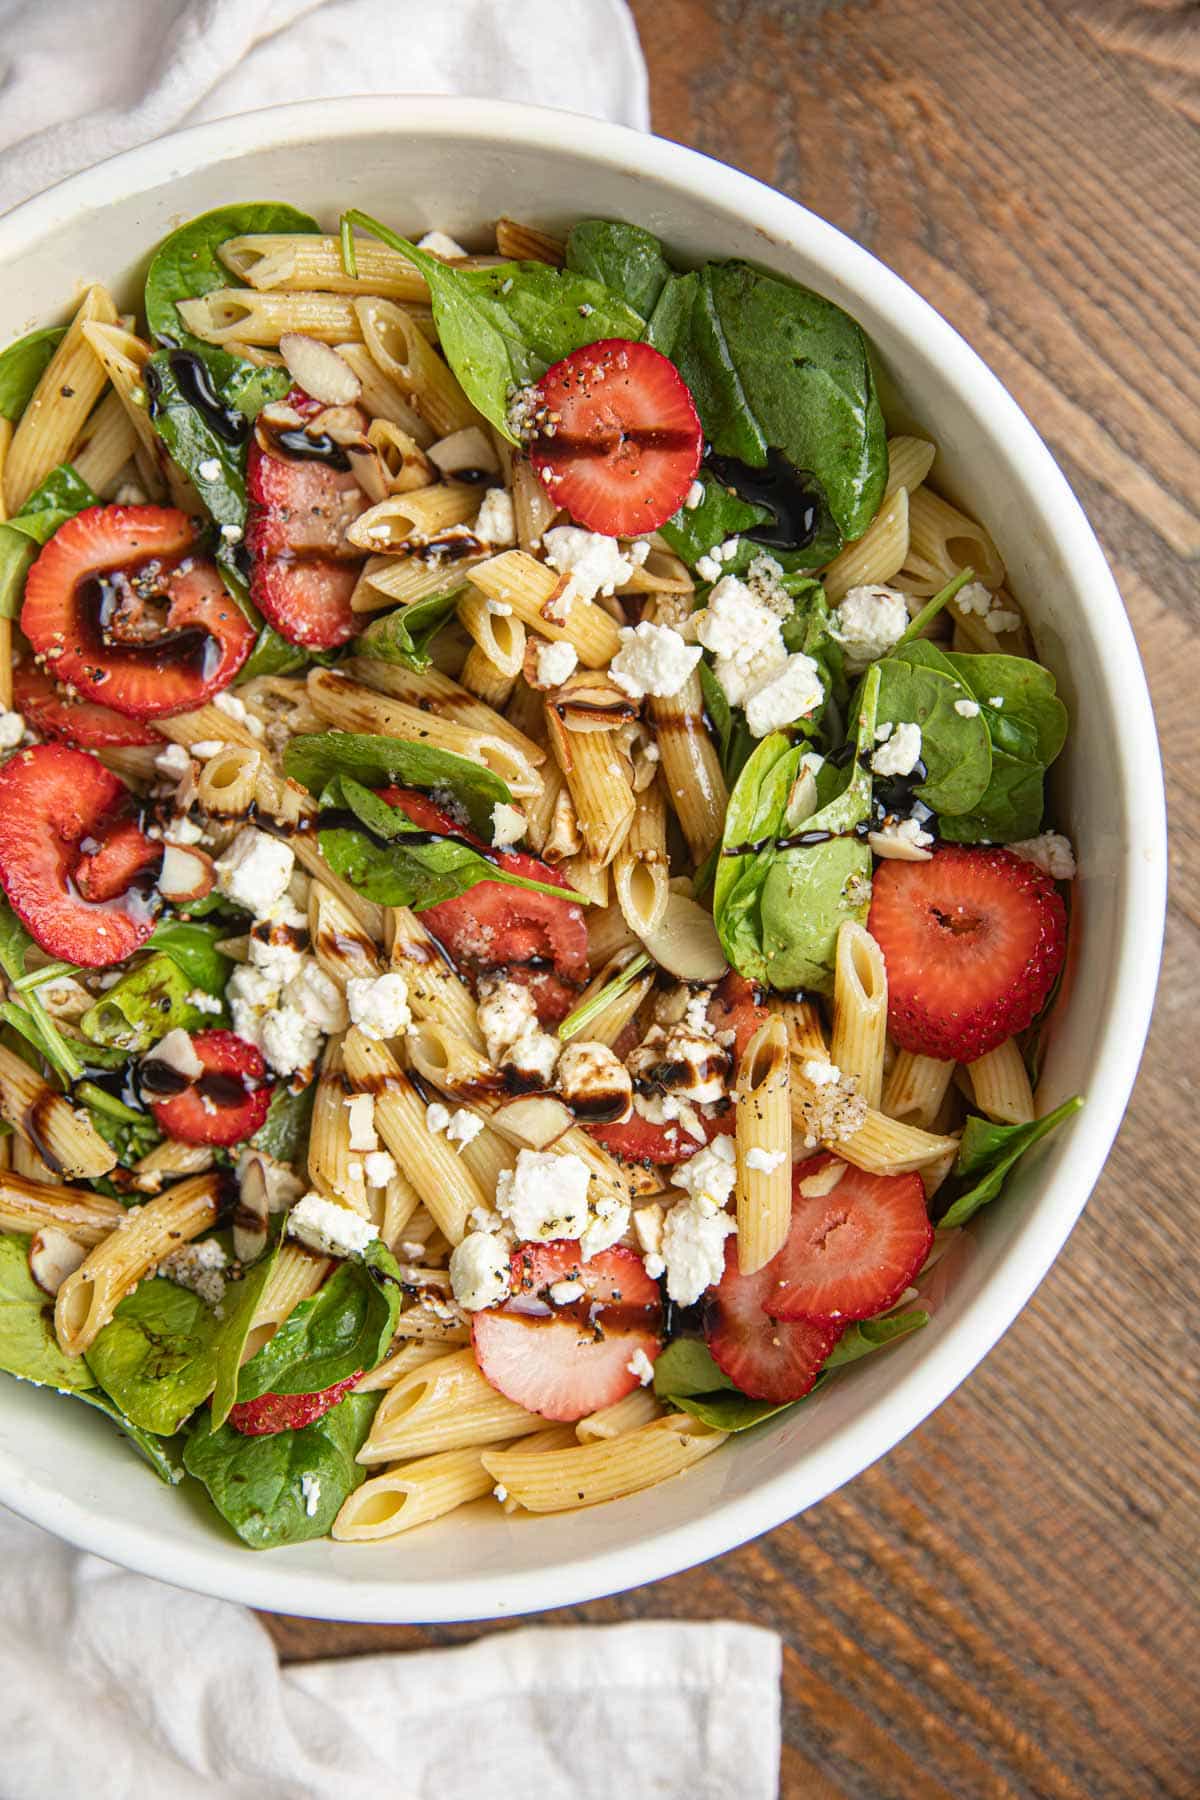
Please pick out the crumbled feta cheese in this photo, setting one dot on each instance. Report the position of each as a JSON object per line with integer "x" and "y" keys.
{"x": 1051, "y": 852}
{"x": 901, "y": 753}
{"x": 202, "y": 1002}
{"x": 974, "y": 598}
{"x": 289, "y": 1041}
{"x": 793, "y": 692}
{"x": 209, "y": 469}
{"x": 208, "y": 747}
{"x": 556, "y": 663}
{"x": 688, "y": 1064}
{"x": 828, "y": 1102}
{"x": 534, "y": 1055}
{"x": 820, "y": 1072}
{"x": 12, "y": 729}
{"x": 867, "y": 623}
{"x": 324, "y": 1225}
{"x": 464, "y": 1127}
{"x": 545, "y": 1196}
{"x": 182, "y": 831}
{"x": 967, "y": 709}
{"x": 500, "y": 1492}
{"x": 176, "y": 1050}
{"x": 766, "y": 1161}
{"x": 594, "y": 1082}
{"x": 506, "y": 1012}
{"x": 508, "y": 825}
{"x": 694, "y": 496}
{"x": 744, "y": 637}
{"x": 727, "y": 551}
{"x": 277, "y": 941}
{"x": 640, "y": 1366}
{"x": 173, "y": 761}
{"x": 250, "y": 995}
{"x": 198, "y": 1267}
{"x": 764, "y": 578}
{"x": 1000, "y": 619}
{"x": 608, "y": 1224}
{"x": 563, "y": 1292}
{"x": 499, "y": 609}
{"x": 255, "y": 870}
{"x": 317, "y": 997}
{"x": 693, "y": 1249}
{"x": 709, "y": 1176}
{"x": 647, "y": 1225}
{"x": 310, "y": 1492}
{"x": 361, "y": 1108}
{"x": 494, "y": 523}
{"x": 439, "y": 244}
{"x": 654, "y": 1265}
{"x": 653, "y": 659}
{"x": 437, "y": 1116}
{"x": 595, "y": 563}
{"x": 379, "y": 1168}
{"x": 708, "y": 568}
{"x": 232, "y": 534}
{"x": 379, "y": 1004}
{"x": 479, "y": 1271}
{"x": 996, "y": 702}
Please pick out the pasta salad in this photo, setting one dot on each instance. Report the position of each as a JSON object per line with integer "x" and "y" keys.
{"x": 528, "y": 911}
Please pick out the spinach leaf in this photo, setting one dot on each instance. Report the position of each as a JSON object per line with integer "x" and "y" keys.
{"x": 28, "y": 1346}
{"x": 773, "y": 365}
{"x": 755, "y": 815}
{"x": 345, "y": 1327}
{"x": 671, "y": 319}
{"x": 808, "y": 630}
{"x": 283, "y": 1134}
{"x": 1027, "y": 731}
{"x": 131, "y": 1138}
{"x": 185, "y": 265}
{"x": 874, "y": 1334}
{"x": 503, "y": 326}
{"x": 404, "y": 636}
{"x": 162, "y": 1454}
{"x": 378, "y": 761}
{"x": 1027, "y": 691}
{"x": 194, "y": 948}
{"x": 733, "y": 735}
{"x": 272, "y": 654}
{"x": 625, "y": 259}
{"x": 240, "y": 1305}
{"x": 22, "y": 366}
{"x": 986, "y": 1155}
{"x": 916, "y": 687}
{"x": 143, "y": 1006}
{"x": 157, "y": 1356}
{"x": 25, "y": 1012}
{"x": 257, "y": 1483}
{"x": 693, "y": 532}
{"x": 686, "y": 1376}
{"x": 59, "y": 497}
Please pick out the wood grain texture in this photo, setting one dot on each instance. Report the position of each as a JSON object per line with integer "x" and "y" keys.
{"x": 1007, "y": 1604}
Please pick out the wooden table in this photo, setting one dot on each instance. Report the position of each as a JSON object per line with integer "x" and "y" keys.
{"x": 1006, "y": 1605}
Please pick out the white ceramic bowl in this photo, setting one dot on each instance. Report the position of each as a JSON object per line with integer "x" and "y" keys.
{"x": 458, "y": 164}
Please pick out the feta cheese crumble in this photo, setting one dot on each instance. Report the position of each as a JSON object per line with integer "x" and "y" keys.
{"x": 494, "y": 522}
{"x": 653, "y": 659}
{"x": 868, "y": 622}
{"x": 967, "y": 709}
{"x": 694, "y": 496}
{"x": 255, "y": 870}
{"x": 437, "y": 1116}
{"x": 639, "y": 1365}
{"x": 545, "y": 1196}
{"x": 556, "y": 663}
{"x": 463, "y": 1128}
{"x": 693, "y": 1249}
{"x": 1051, "y": 852}
{"x": 901, "y": 753}
{"x": 563, "y": 1292}
{"x": 332, "y": 1229}
{"x": 508, "y": 825}
{"x": 766, "y": 1161}
{"x": 310, "y": 1493}
{"x": 379, "y": 1004}
{"x": 506, "y": 1012}
{"x": 12, "y": 729}
{"x": 596, "y": 564}
{"x": 379, "y": 1167}
{"x": 709, "y": 1176}
{"x": 791, "y": 693}
{"x": 744, "y": 637}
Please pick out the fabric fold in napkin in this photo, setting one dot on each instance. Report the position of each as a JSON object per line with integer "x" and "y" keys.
{"x": 115, "y": 1685}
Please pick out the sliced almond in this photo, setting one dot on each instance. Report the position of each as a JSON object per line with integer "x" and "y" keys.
{"x": 535, "y": 1122}
{"x": 250, "y": 1219}
{"x": 319, "y": 370}
{"x": 897, "y": 849}
{"x": 465, "y": 450}
{"x": 186, "y": 873}
{"x": 685, "y": 941}
{"x": 52, "y": 1257}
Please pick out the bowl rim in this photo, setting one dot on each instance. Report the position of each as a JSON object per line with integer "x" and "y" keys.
{"x": 227, "y": 1569}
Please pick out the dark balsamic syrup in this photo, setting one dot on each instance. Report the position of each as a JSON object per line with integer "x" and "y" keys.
{"x": 789, "y": 495}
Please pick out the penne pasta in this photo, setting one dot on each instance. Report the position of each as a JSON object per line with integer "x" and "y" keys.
{"x": 410, "y": 1495}
{"x": 499, "y": 637}
{"x": 444, "y": 1405}
{"x": 598, "y": 777}
{"x": 763, "y": 1141}
{"x": 541, "y": 598}
{"x": 1000, "y": 1084}
{"x": 859, "y": 1009}
{"x": 293, "y": 262}
{"x": 877, "y": 555}
{"x": 70, "y": 386}
{"x": 640, "y": 869}
{"x": 525, "y": 243}
{"x": 909, "y": 461}
{"x": 561, "y": 1480}
{"x": 436, "y": 994}
{"x": 636, "y": 1409}
{"x": 65, "y": 1140}
{"x": 915, "y": 1088}
{"x": 243, "y": 316}
{"x": 400, "y": 349}
{"x": 27, "y": 1205}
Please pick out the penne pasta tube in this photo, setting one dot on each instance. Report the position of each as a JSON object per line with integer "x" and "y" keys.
{"x": 105, "y": 445}
{"x": 587, "y": 877}
{"x": 170, "y": 1158}
{"x": 88, "y": 1298}
{"x": 401, "y": 1360}
{"x": 636, "y": 1409}
{"x": 390, "y": 581}
{"x": 874, "y": 557}
{"x": 763, "y": 1141}
{"x": 383, "y": 399}
{"x": 806, "y": 1035}
{"x": 598, "y": 776}
{"x": 296, "y": 1275}
{"x": 333, "y": 1168}
{"x": 290, "y": 262}
{"x": 884, "y": 1146}
{"x": 915, "y": 1088}
{"x": 859, "y": 1009}
{"x": 340, "y": 943}
{"x": 540, "y": 597}
{"x": 561, "y": 1480}
{"x": 123, "y": 357}
{"x": 58, "y": 409}
{"x": 909, "y": 462}
{"x": 27, "y": 1205}
{"x": 945, "y": 538}
{"x": 436, "y": 995}
{"x": 244, "y": 316}
{"x": 432, "y": 692}
{"x": 399, "y": 347}
{"x": 500, "y": 637}
{"x": 410, "y": 1495}
{"x": 413, "y": 517}
{"x": 66, "y": 1141}
{"x": 444, "y": 1183}
{"x": 445, "y": 1405}
{"x": 525, "y": 243}
{"x": 691, "y": 767}
{"x": 533, "y": 510}
{"x": 205, "y": 725}
{"x": 1000, "y": 1084}
{"x": 483, "y": 678}
{"x": 640, "y": 869}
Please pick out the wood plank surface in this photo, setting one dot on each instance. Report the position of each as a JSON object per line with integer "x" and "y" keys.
{"x": 1007, "y": 1604}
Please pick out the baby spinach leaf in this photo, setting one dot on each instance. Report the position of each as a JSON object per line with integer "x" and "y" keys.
{"x": 143, "y": 1006}
{"x": 625, "y": 259}
{"x": 773, "y": 365}
{"x": 194, "y": 948}
{"x": 162, "y": 1454}
{"x": 272, "y": 654}
{"x": 131, "y": 1138}
{"x": 1026, "y": 730}
{"x": 404, "y": 636}
{"x": 257, "y": 1484}
{"x": 389, "y": 860}
{"x": 1026, "y": 690}
{"x": 377, "y": 761}
{"x": 861, "y": 1339}
{"x": 59, "y": 497}
{"x": 28, "y": 1346}
{"x": 22, "y": 366}
{"x": 754, "y": 819}
{"x": 671, "y": 319}
{"x": 157, "y": 1356}
{"x": 240, "y": 1305}
{"x": 283, "y": 1134}
{"x": 686, "y": 1376}
{"x": 915, "y": 688}
{"x": 186, "y": 265}
{"x": 986, "y": 1155}
{"x": 695, "y": 531}
{"x": 503, "y": 326}
{"x": 345, "y": 1327}
{"x": 733, "y": 736}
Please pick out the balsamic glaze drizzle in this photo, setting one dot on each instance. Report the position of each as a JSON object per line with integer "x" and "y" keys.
{"x": 790, "y": 495}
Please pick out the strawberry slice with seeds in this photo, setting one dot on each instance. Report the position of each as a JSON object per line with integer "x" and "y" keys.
{"x": 60, "y": 810}
{"x": 767, "y": 1357}
{"x": 534, "y": 939}
{"x": 567, "y": 1360}
{"x": 49, "y": 710}
{"x": 618, "y": 439}
{"x": 736, "y": 1006}
{"x": 638, "y": 1140}
{"x": 973, "y": 940}
{"x": 121, "y": 607}
{"x": 852, "y": 1251}
{"x": 287, "y": 1412}
{"x": 225, "y": 1105}
{"x": 304, "y": 569}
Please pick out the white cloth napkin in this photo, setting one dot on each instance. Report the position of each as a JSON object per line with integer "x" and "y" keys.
{"x": 82, "y": 79}
{"x": 114, "y": 1685}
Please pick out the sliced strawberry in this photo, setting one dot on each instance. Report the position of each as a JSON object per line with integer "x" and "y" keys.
{"x": 50, "y": 711}
{"x": 121, "y": 608}
{"x": 304, "y": 568}
{"x": 626, "y": 439}
{"x": 973, "y": 940}
{"x": 287, "y": 1412}
{"x": 537, "y": 940}
{"x": 767, "y": 1357}
{"x": 59, "y": 808}
{"x": 736, "y": 1006}
{"x": 850, "y": 1253}
{"x": 565, "y": 1361}
{"x": 638, "y": 1140}
{"x": 225, "y": 1105}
